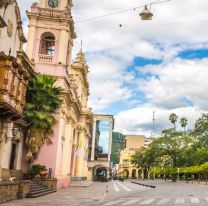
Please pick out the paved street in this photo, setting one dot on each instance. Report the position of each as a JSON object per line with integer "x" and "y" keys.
{"x": 124, "y": 193}
{"x": 166, "y": 193}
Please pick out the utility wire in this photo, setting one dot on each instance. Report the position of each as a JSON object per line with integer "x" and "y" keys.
{"x": 162, "y": 24}
{"x": 122, "y": 11}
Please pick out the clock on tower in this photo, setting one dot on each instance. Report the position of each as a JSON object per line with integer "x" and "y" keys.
{"x": 53, "y": 3}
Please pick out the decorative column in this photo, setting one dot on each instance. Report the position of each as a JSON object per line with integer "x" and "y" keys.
{"x": 30, "y": 41}
{"x": 93, "y": 140}
{"x": 80, "y": 155}
{"x": 67, "y": 147}
{"x": 63, "y": 47}
{"x": 142, "y": 174}
{"x": 85, "y": 158}
{"x": 110, "y": 139}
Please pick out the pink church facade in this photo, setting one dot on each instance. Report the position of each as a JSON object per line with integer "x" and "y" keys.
{"x": 50, "y": 42}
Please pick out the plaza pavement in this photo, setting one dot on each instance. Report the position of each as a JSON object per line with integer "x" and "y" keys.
{"x": 116, "y": 193}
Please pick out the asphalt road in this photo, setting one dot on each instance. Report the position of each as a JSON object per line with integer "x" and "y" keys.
{"x": 165, "y": 193}
{"x": 116, "y": 193}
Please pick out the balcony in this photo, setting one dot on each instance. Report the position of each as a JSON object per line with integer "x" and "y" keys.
{"x": 13, "y": 82}
{"x": 48, "y": 12}
{"x": 43, "y": 58}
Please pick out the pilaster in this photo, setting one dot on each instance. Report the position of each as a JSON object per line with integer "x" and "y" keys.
{"x": 63, "y": 47}
{"x": 80, "y": 157}
{"x": 93, "y": 140}
{"x": 31, "y": 40}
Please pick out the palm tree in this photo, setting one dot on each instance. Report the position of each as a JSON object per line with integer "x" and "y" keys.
{"x": 184, "y": 122}
{"x": 173, "y": 119}
{"x": 42, "y": 101}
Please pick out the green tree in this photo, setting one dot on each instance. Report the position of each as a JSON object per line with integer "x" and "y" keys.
{"x": 200, "y": 131}
{"x": 42, "y": 101}
{"x": 173, "y": 119}
{"x": 184, "y": 123}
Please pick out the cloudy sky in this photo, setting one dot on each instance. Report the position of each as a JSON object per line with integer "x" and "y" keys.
{"x": 141, "y": 67}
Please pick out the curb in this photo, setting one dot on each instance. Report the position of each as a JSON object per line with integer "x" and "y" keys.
{"x": 151, "y": 186}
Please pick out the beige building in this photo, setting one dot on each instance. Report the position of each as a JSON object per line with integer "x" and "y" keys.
{"x": 132, "y": 144}
{"x": 15, "y": 70}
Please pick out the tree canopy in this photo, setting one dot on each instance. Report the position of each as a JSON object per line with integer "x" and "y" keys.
{"x": 175, "y": 148}
{"x": 42, "y": 101}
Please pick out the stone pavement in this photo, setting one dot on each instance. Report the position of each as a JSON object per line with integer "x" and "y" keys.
{"x": 73, "y": 196}
{"x": 123, "y": 193}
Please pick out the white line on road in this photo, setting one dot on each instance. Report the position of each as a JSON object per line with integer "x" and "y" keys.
{"x": 126, "y": 188}
{"x": 206, "y": 199}
{"x": 179, "y": 201}
{"x": 115, "y": 187}
{"x": 130, "y": 202}
{"x": 146, "y": 202}
{"x": 195, "y": 200}
{"x": 113, "y": 202}
{"x": 163, "y": 201}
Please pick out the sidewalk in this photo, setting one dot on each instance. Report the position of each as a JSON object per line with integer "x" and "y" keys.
{"x": 72, "y": 196}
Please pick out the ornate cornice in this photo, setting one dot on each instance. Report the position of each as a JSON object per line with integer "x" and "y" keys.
{"x": 84, "y": 129}
{"x": 71, "y": 120}
{"x": 54, "y": 15}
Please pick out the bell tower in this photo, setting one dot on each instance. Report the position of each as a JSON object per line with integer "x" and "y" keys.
{"x": 50, "y": 36}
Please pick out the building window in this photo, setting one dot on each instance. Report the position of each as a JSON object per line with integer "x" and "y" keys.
{"x": 47, "y": 44}
{"x": 2, "y": 22}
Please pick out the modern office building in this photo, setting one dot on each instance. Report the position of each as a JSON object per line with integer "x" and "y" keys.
{"x": 100, "y": 147}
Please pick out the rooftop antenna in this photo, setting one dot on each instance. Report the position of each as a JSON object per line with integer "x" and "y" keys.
{"x": 153, "y": 125}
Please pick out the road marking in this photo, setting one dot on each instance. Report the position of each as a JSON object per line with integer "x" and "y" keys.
{"x": 179, "y": 201}
{"x": 206, "y": 199}
{"x": 130, "y": 202}
{"x": 113, "y": 202}
{"x": 195, "y": 200}
{"x": 146, "y": 202}
{"x": 163, "y": 201}
{"x": 115, "y": 187}
{"x": 126, "y": 188}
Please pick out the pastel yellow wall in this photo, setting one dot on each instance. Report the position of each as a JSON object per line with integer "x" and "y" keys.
{"x": 133, "y": 143}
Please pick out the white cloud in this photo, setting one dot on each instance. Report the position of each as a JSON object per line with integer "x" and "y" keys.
{"x": 176, "y": 26}
{"x": 175, "y": 81}
{"x": 139, "y": 120}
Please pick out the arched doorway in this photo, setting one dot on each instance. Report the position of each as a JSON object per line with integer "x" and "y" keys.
{"x": 126, "y": 174}
{"x": 145, "y": 173}
{"x": 134, "y": 174}
{"x": 100, "y": 173}
{"x": 140, "y": 174}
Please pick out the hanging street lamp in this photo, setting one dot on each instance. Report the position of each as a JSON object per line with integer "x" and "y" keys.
{"x": 146, "y": 14}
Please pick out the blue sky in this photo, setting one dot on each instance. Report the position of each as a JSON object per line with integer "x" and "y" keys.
{"x": 141, "y": 67}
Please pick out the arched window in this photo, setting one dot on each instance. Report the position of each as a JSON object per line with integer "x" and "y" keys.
{"x": 47, "y": 44}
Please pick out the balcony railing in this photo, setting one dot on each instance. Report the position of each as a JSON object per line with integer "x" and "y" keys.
{"x": 13, "y": 82}
{"x": 52, "y": 12}
{"x": 45, "y": 58}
